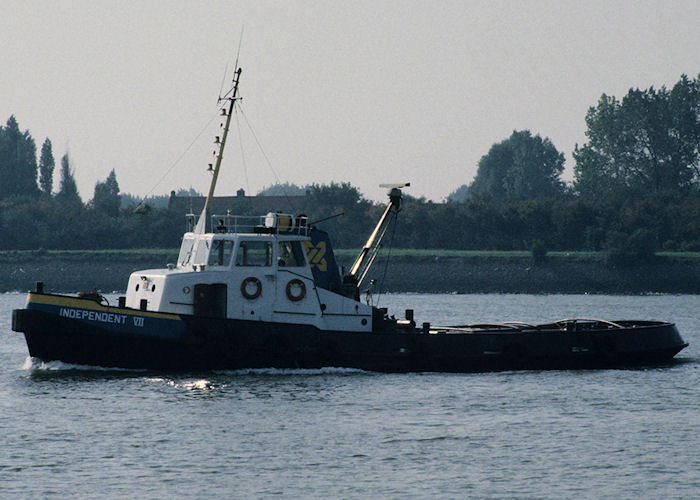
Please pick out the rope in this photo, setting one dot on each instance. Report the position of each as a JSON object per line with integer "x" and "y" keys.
{"x": 240, "y": 142}
{"x": 269, "y": 163}
{"x": 177, "y": 161}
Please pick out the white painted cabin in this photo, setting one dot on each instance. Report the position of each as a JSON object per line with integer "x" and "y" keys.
{"x": 250, "y": 268}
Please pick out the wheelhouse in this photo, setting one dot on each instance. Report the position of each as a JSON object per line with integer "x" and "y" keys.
{"x": 240, "y": 241}
{"x": 268, "y": 268}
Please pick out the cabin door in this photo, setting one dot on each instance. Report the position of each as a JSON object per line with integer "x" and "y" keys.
{"x": 210, "y": 300}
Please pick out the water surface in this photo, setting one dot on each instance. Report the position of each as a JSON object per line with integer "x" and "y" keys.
{"x": 85, "y": 432}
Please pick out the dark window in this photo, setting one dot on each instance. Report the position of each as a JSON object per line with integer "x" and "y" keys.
{"x": 220, "y": 254}
{"x": 290, "y": 254}
{"x": 254, "y": 253}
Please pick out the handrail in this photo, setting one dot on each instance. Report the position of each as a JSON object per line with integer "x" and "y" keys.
{"x": 255, "y": 224}
{"x": 476, "y": 325}
{"x": 521, "y": 324}
{"x": 575, "y": 320}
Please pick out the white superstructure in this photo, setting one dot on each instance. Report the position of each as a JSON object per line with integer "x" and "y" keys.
{"x": 250, "y": 268}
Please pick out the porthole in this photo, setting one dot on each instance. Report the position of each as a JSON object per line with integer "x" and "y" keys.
{"x": 153, "y": 288}
{"x": 364, "y": 321}
{"x": 137, "y": 287}
{"x": 186, "y": 290}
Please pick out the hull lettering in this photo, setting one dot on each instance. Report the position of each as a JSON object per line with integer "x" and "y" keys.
{"x": 102, "y": 317}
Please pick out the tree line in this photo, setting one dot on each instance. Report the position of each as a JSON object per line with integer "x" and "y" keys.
{"x": 636, "y": 190}
{"x": 644, "y": 145}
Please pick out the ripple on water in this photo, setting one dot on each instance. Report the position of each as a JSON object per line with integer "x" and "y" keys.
{"x": 107, "y": 433}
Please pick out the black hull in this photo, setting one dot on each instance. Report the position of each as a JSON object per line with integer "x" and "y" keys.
{"x": 186, "y": 343}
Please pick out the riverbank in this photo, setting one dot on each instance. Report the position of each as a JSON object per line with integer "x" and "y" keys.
{"x": 484, "y": 272}
{"x": 522, "y": 275}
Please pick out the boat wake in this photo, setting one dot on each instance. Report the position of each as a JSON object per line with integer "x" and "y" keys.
{"x": 37, "y": 365}
{"x": 329, "y": 370}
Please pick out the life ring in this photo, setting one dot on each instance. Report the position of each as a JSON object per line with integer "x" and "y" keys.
{"x": 251, "y": 280}
{"x": 296, "y": 282}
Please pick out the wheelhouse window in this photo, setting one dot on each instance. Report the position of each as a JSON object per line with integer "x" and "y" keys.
{"x": 289, "y": 254}
{"x": 202, "y": 253}
{"x": 220, "y": 253}
{"x": 254, "y": 253}
{"x": 185, "y": 252}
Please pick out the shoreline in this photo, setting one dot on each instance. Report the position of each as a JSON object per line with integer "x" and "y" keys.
{"x": 507, "y": 275}
{"x": 405, "y": 274}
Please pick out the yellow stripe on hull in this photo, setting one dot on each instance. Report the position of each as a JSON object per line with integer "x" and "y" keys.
{"x": 79, "y": 303}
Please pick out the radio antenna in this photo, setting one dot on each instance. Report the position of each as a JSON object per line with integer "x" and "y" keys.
{"x": 240, "y": 42}
{"x": 223, "y": 79}
{"x": 238, "y": 53}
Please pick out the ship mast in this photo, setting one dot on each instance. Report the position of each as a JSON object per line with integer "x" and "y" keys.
{"x": 231, "y": 96}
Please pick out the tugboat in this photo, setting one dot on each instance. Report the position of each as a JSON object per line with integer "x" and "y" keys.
{"x": 267, "y": 292}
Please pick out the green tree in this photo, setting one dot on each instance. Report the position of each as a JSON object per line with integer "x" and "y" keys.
{"x": 327, "y": 200}
{"x": 342, "y": 195}
{"x": 645, "y": 144}
{"x": 285, "y": 189}
{"x": 68, "y": 192}
{"x": 46, "y": 167}
{"x": 521, "y": 167}
{"x": 459, "y": 195}
{"x": 106, "y": 199}
{"x": 188, "y": 192}
{"x": 18, "y": 168}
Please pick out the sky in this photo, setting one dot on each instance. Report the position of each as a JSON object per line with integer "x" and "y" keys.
{"x": 365, "y": 92}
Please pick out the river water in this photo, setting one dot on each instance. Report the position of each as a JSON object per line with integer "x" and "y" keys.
{"x": 69, "y": 431}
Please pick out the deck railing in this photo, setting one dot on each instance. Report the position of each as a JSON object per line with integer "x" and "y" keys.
{"x": 272, "y": 223}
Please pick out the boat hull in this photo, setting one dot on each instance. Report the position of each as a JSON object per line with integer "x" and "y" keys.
{"x": 83, "y": 332}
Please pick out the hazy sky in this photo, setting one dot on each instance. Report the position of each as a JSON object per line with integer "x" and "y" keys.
{"x": 366, "y": 92}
